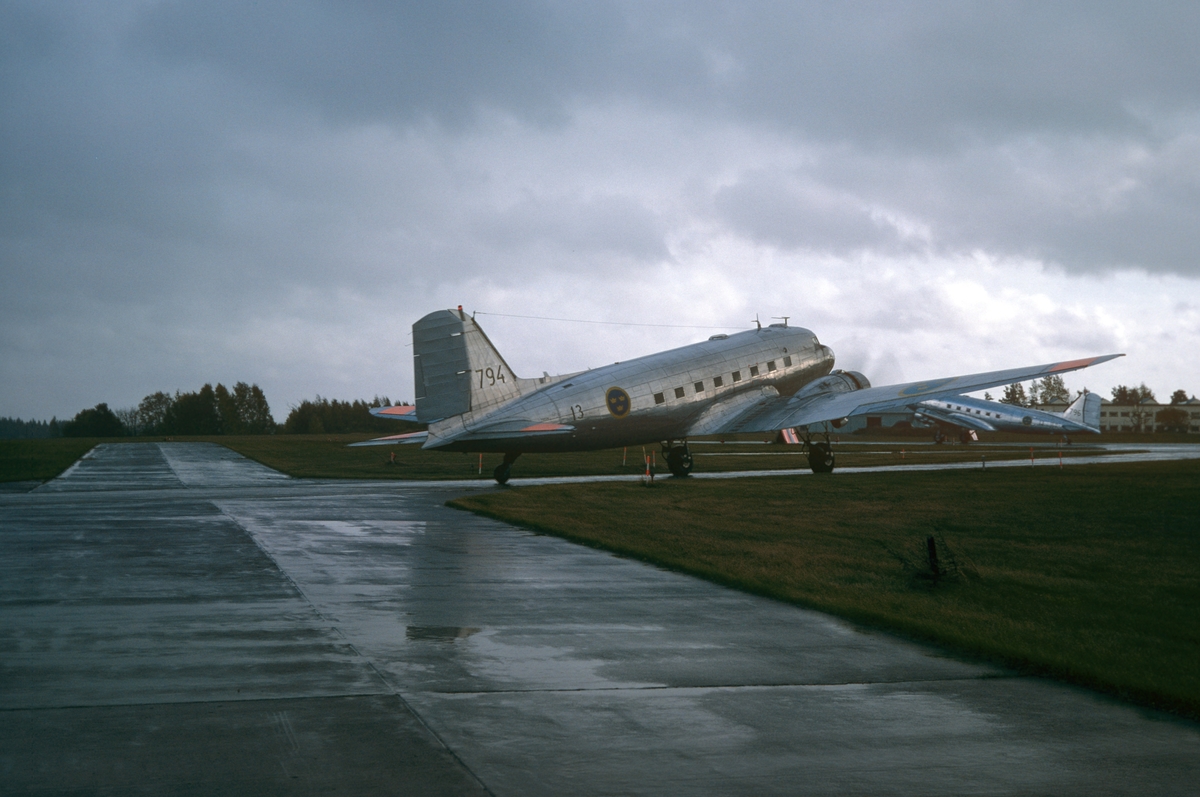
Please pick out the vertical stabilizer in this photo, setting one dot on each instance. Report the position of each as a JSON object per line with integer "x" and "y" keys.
{"x": 456, "y": 368}
{"x": 1085, "y": 410}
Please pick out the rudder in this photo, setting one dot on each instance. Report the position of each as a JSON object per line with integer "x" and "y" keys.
{"x": 1085, "y": 410}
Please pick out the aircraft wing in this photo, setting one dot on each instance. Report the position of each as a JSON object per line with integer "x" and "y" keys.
{"x": 780, "y": 412}
{"x": 513, "y": 430}
{"x": 963, "y": 419}
{"x": 394, "y": 440}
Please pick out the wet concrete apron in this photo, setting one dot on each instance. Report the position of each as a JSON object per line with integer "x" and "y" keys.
{"x": 176, "y": 618}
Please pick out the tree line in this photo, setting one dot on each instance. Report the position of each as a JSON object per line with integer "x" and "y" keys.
{"x": 209, "y": 411}
{"x": 323, "y": 416}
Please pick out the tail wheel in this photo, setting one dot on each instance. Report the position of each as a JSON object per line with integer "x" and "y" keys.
{"x": 820, "y": 458}
{"x": 679, "y": 461}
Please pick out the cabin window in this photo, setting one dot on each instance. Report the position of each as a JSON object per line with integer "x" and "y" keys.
{"x": 718, "y": 381}
{"x": 787, "y": 361}
{"x": 678, "y": 392}
{"x": 770, "y": 365}
{"x": 699, "y": 387}
{"x": 659, "y": 398}
{"x": 754, "y": 370}
{"x": 737, "y": 376}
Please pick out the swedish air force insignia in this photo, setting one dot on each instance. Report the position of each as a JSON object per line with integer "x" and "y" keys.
{"x": 617, "y": 401}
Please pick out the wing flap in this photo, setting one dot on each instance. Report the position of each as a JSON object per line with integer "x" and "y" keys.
{"x": 514, "y": 430}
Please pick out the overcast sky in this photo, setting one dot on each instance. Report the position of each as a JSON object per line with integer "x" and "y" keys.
{"x": 273, "y": 192}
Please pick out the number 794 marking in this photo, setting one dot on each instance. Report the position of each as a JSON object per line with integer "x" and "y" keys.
{"x": 492, "y": 375}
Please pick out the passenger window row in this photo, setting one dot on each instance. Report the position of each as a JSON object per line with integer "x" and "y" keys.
{"x": 718, "y": 381}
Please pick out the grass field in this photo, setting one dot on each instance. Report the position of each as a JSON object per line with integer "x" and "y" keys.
{"x": 1089, "y": 574}
{"x": 328, "y": 457}
{"x": 39, "y": 460}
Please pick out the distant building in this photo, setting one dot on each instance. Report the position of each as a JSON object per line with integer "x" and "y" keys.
{"x": 1140, "y": 417}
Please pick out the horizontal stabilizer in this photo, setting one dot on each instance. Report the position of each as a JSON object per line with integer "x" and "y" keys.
{"x": 394, "y": 440}
{"x": 400, "y": 412}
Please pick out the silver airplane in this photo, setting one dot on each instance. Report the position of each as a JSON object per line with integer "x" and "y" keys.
{"x": 973, "y": 414}
{"x": 761, "y": 380}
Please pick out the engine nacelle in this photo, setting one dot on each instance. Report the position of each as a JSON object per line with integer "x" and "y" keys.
{"x": 836, "y": 382}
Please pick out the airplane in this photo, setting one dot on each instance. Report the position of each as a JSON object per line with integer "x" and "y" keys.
{"x": 973, "y": 414}
{"x": 766, "y": 379}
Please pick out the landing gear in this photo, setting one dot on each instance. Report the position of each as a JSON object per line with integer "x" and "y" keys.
{"x": 679, "y": 459}
{"x": 964, "y": 437}
{"x": 504, "y": 469}
{"x": 939, "y": 437}
{"x": 820, "y": 457}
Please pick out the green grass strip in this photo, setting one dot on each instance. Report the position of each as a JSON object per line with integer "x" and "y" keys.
{"x": 40, "y": 460}
{"x": 1089, "y": 574}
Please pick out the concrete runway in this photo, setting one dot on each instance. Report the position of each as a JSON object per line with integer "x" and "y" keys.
{"x": 177, "y": 619}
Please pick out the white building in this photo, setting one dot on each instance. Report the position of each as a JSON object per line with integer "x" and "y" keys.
{"x": 1142, "y": 417}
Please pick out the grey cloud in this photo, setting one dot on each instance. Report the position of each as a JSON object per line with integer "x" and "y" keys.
{"x": 603, "y": 225}
{"x": 766, "y": 207}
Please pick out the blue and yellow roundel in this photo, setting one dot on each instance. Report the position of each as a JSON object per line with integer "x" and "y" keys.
{"x": 617, "y": 401}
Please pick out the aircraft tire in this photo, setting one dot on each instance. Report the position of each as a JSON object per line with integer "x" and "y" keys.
{"x": 502, "y": 472}
{"x": 820, "y": 458}
{"x": 679, "y": 461}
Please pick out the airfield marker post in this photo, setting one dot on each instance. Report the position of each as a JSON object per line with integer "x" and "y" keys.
{"x": 1031, "y": 456}
{"x": 481, "y": 464}
{"x": 1060, "y": 460}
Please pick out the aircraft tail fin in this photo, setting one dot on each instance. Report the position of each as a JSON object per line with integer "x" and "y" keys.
{"x": 456, "y": 368}
{"x": 1085, "y": 410}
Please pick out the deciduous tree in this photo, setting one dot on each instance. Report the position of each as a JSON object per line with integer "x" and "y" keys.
{"x": 1128, "y": 396}
{"x": 152, "y": 412}
{"x": 99, "y": 421}
{"x": 1172, "y": 419}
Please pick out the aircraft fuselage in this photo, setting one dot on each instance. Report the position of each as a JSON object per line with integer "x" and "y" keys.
{"x": 659, "y": 397}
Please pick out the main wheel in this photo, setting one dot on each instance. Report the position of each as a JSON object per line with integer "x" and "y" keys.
{"x": 679, "y": 461}
{"x": 820, "y": 458}
{"x": 502, "y": 472}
